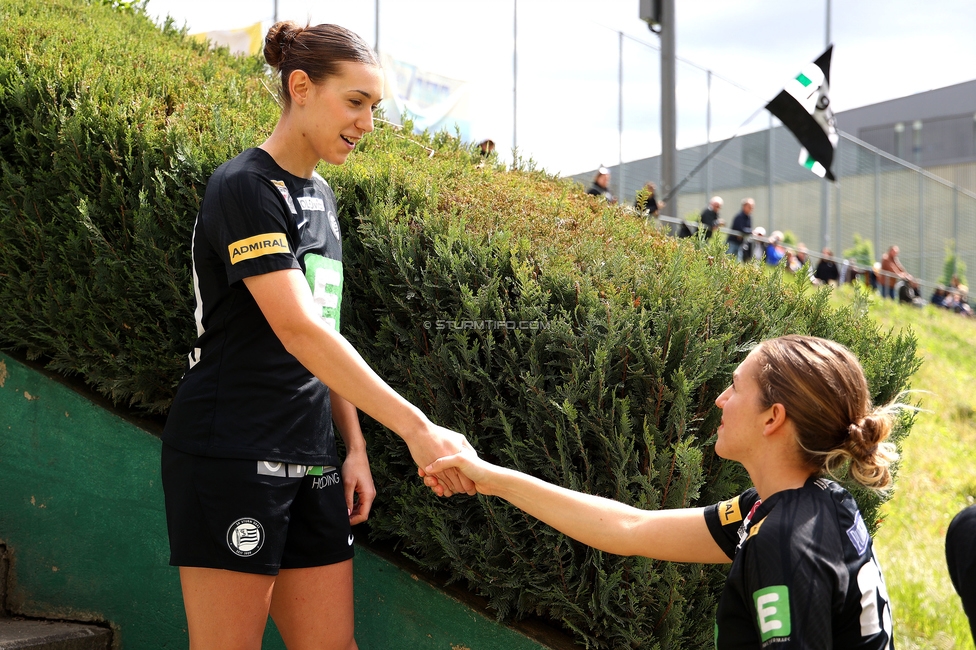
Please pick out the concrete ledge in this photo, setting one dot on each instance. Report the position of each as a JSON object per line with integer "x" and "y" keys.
{"x": 47, "y": 635}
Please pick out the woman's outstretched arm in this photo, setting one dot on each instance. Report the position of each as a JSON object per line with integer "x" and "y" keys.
{"x": 679, "y": 535}
{"x": 286, "y": 302}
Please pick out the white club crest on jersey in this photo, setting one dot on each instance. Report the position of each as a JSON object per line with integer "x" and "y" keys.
{"x": 334, "y": 223}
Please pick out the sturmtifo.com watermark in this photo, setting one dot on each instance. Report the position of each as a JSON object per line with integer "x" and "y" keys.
{"x": 486, "y": 325}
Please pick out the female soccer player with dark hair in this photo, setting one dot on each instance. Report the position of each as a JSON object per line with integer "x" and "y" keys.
{"x": 803, "y": 571}
{"x": 259, "y": 505}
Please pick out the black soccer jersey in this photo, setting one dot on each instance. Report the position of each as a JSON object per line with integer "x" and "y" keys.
{"x": 243, "y": 395}
{"x": 803, "y": 572}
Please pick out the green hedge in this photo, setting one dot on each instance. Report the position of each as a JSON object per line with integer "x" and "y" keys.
{"x": 564, "y": 338}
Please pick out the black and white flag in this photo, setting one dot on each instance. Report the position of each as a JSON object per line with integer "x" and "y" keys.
{"x": 803, "y": 107}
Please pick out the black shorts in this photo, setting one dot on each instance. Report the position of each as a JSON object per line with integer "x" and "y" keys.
{"x": 253, "y": 516}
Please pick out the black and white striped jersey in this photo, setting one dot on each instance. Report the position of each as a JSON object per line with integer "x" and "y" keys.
{"x": 803, "y": 572}
{"x": 243, "y": 395}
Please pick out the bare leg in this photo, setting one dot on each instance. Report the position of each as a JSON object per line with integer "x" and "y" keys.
{"x": 225, "y": 610}
{"x": 313, "y": 607}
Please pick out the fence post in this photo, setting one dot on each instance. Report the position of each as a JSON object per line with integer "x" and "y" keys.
{"x": 921, "y": 225}
{"x": 955, "y": 223}
{"x": 877, "y": 205}
{"x": 708, "y": 135}
{"x": 769, "y": 171}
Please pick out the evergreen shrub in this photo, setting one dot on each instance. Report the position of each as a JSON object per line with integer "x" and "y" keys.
{"x": 566, "y": 338}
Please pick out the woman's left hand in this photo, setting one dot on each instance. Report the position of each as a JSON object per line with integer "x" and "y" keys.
{"x": 357, "y": 480}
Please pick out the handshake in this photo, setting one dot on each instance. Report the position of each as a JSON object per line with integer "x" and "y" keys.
{"x": 448, "y": 463}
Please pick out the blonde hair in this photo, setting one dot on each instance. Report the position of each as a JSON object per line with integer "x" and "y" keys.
{"x": 822, "y": 386}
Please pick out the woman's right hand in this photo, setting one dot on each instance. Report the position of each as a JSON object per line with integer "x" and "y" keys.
{"x": 437, "y": 442}
{"x": 467, "y": 463}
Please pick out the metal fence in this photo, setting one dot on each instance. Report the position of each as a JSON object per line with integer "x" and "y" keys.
{"x": 876, "y": 197}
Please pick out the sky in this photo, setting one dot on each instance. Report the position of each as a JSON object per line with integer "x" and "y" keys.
{"x": 566, "y": 113}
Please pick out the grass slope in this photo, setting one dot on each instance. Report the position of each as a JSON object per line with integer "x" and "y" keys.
{"x": 935, "y": 481}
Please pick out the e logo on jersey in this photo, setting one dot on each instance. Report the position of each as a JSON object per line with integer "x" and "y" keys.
{"x": 773, "y": 612}
{"x": 245, "y": 537}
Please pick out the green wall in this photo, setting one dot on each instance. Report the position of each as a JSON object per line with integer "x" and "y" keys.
{"x": 81, "y": 512}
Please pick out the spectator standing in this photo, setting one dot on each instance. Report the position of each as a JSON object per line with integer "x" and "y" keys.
{"x": 652, "y": 205}
{"x": 826, "y": 269}
{"x": 893, "y": 272}
{"x": 601, "y": 185}
{"x": 742, "y": 225}
{"x": 487, "y": 147}
{"x": 709, "y": 216}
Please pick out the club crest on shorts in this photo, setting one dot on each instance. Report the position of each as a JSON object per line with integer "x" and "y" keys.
{"x": 245, "y": 537}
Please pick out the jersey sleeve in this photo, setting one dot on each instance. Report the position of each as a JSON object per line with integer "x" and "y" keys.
{"x": 725, "y": 518}
{"x": 246, "y": 222}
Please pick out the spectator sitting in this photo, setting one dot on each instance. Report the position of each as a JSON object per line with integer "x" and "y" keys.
{"x": 908, "y": 292}
{"x": 802, "y": 254}
{"x": 848, "y": 271}
{"x": 775, "y": 251}
{"x": 962, "y": 306}
{"x": 939, "y": 296}
{"x": 753, "y": 243}
{"x": 792, "y": 263}
{"x": 601, "y": 185}
{"x": 826, "y": 272}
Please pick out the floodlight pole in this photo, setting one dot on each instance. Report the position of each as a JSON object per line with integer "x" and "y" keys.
{"x": 275, "y": 13}
{"x": 514, "y": 80}
{"x": 824, "y": 183}
{"x": 669, "y": 154}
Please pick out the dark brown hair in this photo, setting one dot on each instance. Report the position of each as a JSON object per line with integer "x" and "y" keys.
{"x": 822, "y": 386}
{"x": 316, "y": 50}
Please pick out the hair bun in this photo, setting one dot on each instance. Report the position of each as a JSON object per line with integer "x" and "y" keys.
{"x": 870, "y": 455}
{"x": 278, "y": 42}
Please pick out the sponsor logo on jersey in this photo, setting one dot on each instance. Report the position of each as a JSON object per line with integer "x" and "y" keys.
{"x": 283, "y": 189}
{"x": 272, "y": 468}
{"x": 245, "y": 537}
{"x": 729, "y": 512}
{"x": 334, "y": 223}
{"x": 858, "y": 533}
{"x": 311, "y": 203}
{"x": 773, "y": 612}
{"x": 324, "y": 277}
{"x": 291, "y": 470}
{"x": 258, "y": 246}
{"x": 327, "y": 479}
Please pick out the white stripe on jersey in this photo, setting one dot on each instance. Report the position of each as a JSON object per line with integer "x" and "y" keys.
{"x": 198, "y": 310}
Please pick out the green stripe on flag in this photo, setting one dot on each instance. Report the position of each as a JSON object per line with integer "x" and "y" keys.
{"x": 802, "y": 78}
{"x": 809, "y": 162}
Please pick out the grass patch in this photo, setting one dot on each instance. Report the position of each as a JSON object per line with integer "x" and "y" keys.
{"x": 935, "y": 480}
